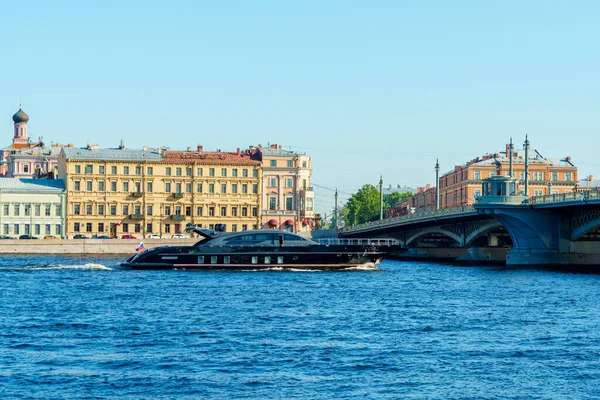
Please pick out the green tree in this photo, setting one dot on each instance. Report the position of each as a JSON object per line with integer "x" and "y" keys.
{"x": 394, "y": 198}
{"x": 363, "y": 206}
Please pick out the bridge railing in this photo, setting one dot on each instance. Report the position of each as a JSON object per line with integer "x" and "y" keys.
{"x": 364, "y": 242}
{"x": 410, "y": 217}
{"x": 563, "y": 197}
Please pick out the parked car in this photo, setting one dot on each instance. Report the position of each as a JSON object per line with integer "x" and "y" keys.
{"x": 5, "y": 237}
{"x": 180, "y": 236}
{"x": 128, "y": 237}
{"x": 103, "y": 237}
{"x": 156, "y": 236}
{"x": 50, "y": 237}
{"x": 80, "y": 236}
{"x": 27, "y": 237}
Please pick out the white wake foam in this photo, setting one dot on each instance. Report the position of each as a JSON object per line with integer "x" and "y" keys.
{"x": 88, "y": 266}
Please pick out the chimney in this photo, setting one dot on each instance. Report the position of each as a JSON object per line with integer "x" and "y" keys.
{"x": 239, "y": 152}
{"x": 569, "y": 159}
{"x": 199, "y": 149}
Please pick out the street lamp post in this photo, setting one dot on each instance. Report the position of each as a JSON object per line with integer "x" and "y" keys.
{"x": 437, "y": 184}
{"x": 526, "y": 148}
{"x": 380, "y": 197}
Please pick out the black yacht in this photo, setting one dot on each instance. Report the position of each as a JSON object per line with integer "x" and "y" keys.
{"x": 263, "y": 249}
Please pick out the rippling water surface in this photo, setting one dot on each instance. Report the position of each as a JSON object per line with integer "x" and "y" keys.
{"x": 83, "y": 328}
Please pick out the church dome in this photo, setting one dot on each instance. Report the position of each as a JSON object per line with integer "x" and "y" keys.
{"x": 20, "y": 116}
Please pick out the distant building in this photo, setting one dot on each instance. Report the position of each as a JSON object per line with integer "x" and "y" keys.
{"x": 288, "y": 199}
{"x": 398, "y": 189}
{"x": 422, "y": 200}
{"x": 25, "y": 158}
{"x": 462, "y": 185}
{"x": 31, "y": 207}
{"x": 588, "y": 183}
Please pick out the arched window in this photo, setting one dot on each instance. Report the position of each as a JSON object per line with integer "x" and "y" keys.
{"x": 25, "y": 167}
{"x": 21, "y": 131}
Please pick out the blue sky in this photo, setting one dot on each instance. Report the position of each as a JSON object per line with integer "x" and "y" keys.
{"x": 367, "y": 88}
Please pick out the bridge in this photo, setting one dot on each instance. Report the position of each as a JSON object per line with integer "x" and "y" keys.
{"x": 558, "y": 229}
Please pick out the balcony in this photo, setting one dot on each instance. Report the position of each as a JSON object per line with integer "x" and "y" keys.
{"x": 137, "y": 194}
{"x": 178, "y": 217}
{"x": 178, "y": 195}
{"x": 136, "y": 216}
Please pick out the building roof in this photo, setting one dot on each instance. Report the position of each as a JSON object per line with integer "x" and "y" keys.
{"x": 209, "y": 157}
{"x": 20, "y": 116}
{"x": 17, "y": 185}
{"x": 97, "y": 154}
{"x": 275, "y": 150}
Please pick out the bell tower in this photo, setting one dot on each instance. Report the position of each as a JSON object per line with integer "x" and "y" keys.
{"x": 20, "y": 119}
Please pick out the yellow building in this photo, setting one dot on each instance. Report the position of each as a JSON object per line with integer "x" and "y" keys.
{"x": 141, "y": 192}
{"x": 287, "y": 196}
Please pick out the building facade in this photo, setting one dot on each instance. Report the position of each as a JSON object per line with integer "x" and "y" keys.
{"x": 31, "y": 207}
{"x": 423, "y": 200}
{"x": 462, "y": 185}
{"x": 154, "y": 191}
{"x": 287, "y": 196}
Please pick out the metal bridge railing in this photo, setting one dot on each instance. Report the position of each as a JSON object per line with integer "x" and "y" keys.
{"x": 411, "y": 217}
{"x": 366, "y": 242}
{"x": 564, "y": 197}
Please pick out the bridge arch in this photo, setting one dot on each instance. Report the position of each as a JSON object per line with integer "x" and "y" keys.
{"x": 414, "y": 236}
{"x": 583, "y": 222}
{"x": 481, "y": 228}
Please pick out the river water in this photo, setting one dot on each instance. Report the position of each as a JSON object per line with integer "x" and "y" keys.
{"x": 83, "y": 328}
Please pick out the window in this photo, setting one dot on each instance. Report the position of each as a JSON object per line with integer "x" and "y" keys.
{"x": 101, "y": 169}
{"x": 304, "y": 164}
{"x": 137, "y": 228}
{"x": 27, "y": 210}
{"x": 113, "y": 169}
{"x": 149, "y": 228}
{"x": 58, "y": 210}
{"x": 188, "y": 172}
{"x": 537, "y": 192}
{"x": 289, "y": 203}
{"x": 477, "y": 175}
{"x": 168, "y": 210}
{"x": 167, "y": 228}
{"x": 126, "y": 186}
{"x": 178, "y": 171}
{"x": 17, "y": 209}
{"x": 211, "y": 172}
{"x": 88, "y": 227}
{"x": 522, "y": 176}
{"x": 89, "y": 169}
{"x": 272, "y": 203}
{"x": 538, "y": 176}
{"x": 58, "y": 229}
{"x": 188, "y": 188}
{"x": 113, "y": 209}
{"x": 273, "y": 163}
{"x": 233, "y": 227}
{"x": 255, "y": 173}
{"x": 125, "y": 227}
{"x": 255, "y": 212}
{"x": 309, "y": 203}
{"x": 234, "y": 188}
{"x": 255, "y": 188}
{"x": 113, "y": 186}
{"x": 280, "y": 258}
{"x": 211, "y": 188}
{"x": 6, "y": 209}
{"x": 213, "y": 259}
{"x": 223, "y": 171}
{"x": 244, "y": 227}
{"x": 555, "y": 176}
{"x": 290, "y": 163}
{"x": 188, "y": 211}
{"x": 101, "y": 186}
{"x": 199, "y": 211}
{"x": 149, "y": 187}
{"x": 254, "y": 259}
{"x": 223, "y": 188}
{"x": 567, "y": 176}
{"x": 77, "y": 186}
{"x": 47, "y": 229}
{"x": 100, "y": 209}
{"x": 200, "y": 259}
{"x": 177, "y": 210}
{"x": 289, "y": 182}
{"x": 126, "y": 170}
{"x": 244, "y": 188}
{"x": 168, "y": 187}
{"x": 149, "y": 210}
{"x": 199, "y": 171}
{"x": 76, "y": 209}
{"x": 244, "y": 173}
{"x": 234, "y": 172}
{"x": 78, "y": 169}
{"x": 492, "y": 173}
{"x": 272, "y": 182}
{"x": 267, "y": 259}
{"x": 168, "y": 171}
{"x": 211, "y": 211}
{"x": 76, "y": 227}
{"x": 477, "y": 193}
{"x": 244, "y": 211}
{"x": 138, "y": 170}
{"x": 125, "y": 209}
{"x": 150, "y": 171}
{"x": 223, "y": 211}
{"x": 47, "y": 210}
{"x": 100, "y": 226}
{"x": 88, "y": 209}
{"x": 38, "y": 210}
{"x": 199, "y": 188}
{"x": 227, "y": 259}
{"x": 178, "y": 187}
{"x": 89, "y": 186}
{"x": 234, "y": 211}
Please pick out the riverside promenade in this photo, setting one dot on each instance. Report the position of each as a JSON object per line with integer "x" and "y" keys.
{"x": 85, "y": 246}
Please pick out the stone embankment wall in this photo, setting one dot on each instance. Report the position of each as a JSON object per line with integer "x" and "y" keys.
{"x": 85, "y": 246}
